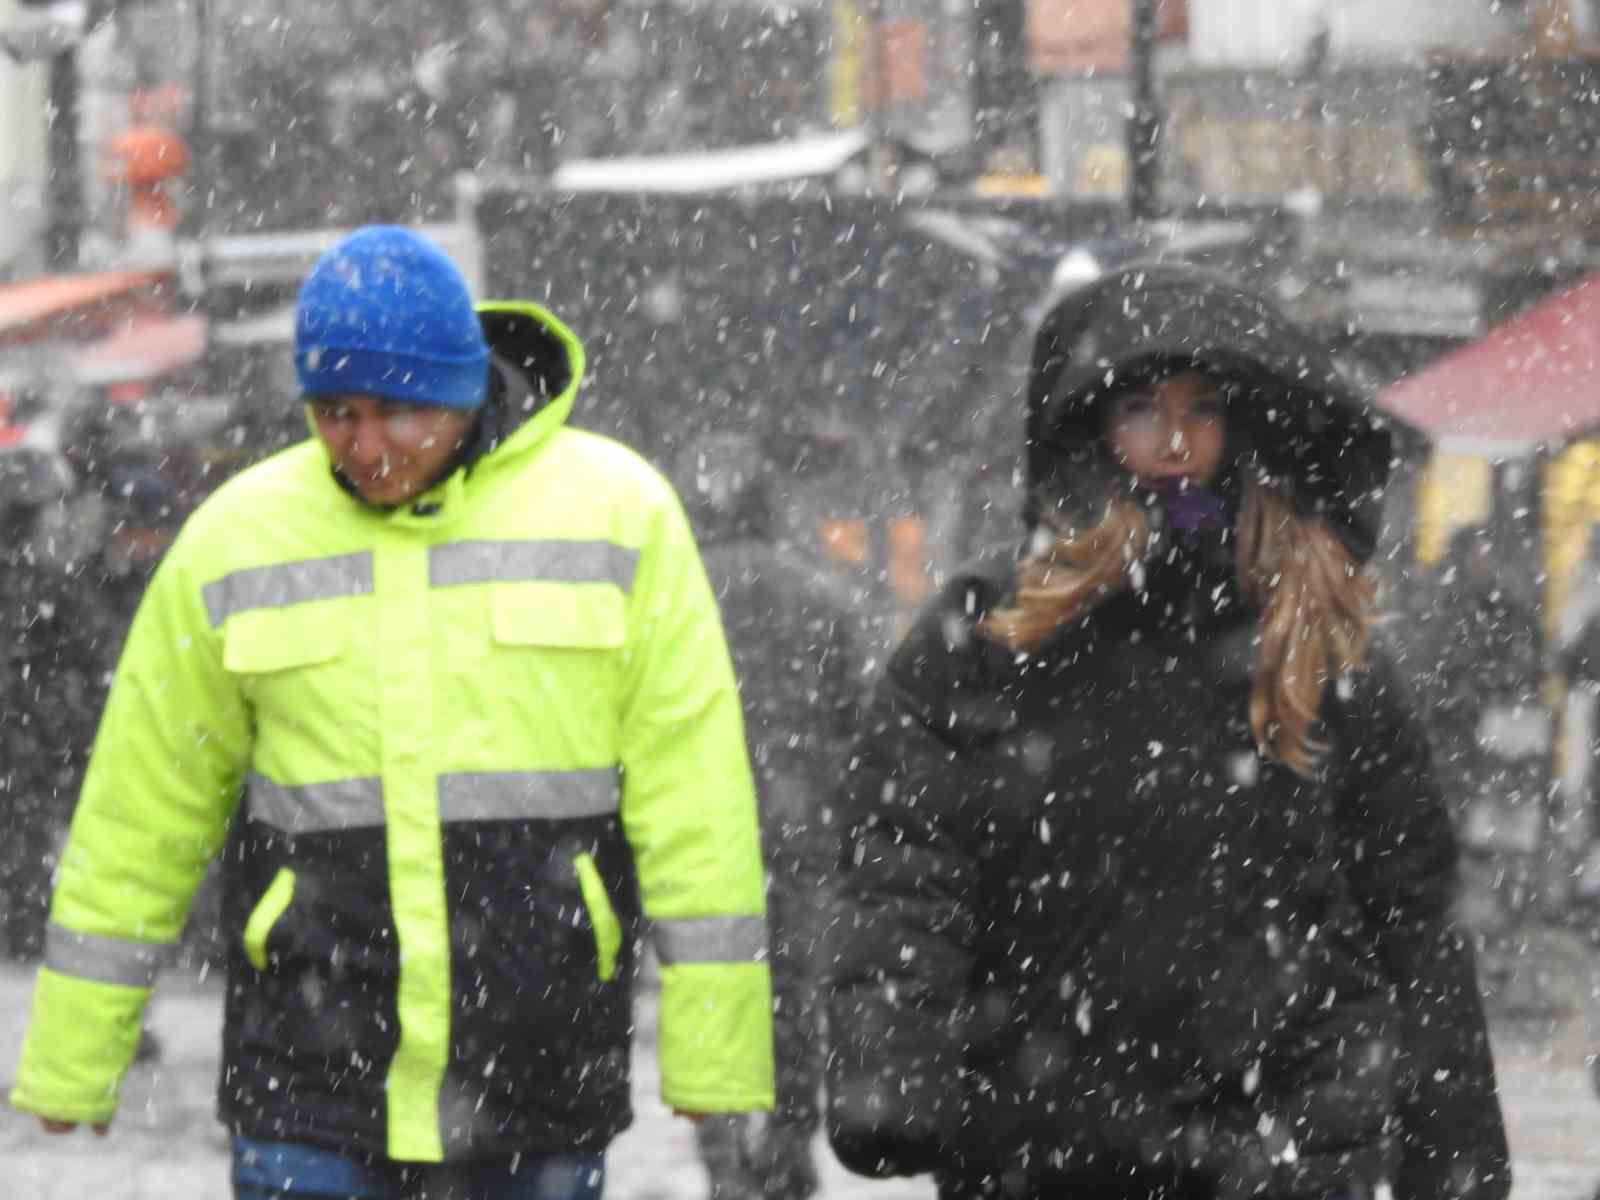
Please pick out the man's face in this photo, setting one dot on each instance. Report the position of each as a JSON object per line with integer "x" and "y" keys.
{"x": 389, "y": 451}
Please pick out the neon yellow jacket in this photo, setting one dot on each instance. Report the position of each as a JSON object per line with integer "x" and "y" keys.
{"x": 474, "y": 743}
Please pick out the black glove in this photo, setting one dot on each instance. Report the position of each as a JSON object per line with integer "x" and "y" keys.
{"x": 879, "y": 1151}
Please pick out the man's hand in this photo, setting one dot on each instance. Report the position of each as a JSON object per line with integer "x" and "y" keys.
{"x": 101, "y": 1128}
{"x": 696, "y": 1119}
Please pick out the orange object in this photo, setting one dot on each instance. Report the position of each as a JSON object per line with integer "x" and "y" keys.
{"x": 845, "y": 541}
{"x": 908, "y": 560}
{"x": 144, "y": 158}
{"x": 150, "y": 207}
{"x": 147, "y": 154}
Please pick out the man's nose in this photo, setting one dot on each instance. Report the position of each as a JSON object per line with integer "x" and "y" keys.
{"x": 367, "y": 442}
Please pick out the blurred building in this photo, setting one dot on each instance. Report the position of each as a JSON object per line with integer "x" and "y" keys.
{"x": 24, "y": 162}
{"x": 1273, "y": 33}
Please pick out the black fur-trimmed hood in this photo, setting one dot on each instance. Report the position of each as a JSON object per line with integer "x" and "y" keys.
{"x": 1308, "y": 426}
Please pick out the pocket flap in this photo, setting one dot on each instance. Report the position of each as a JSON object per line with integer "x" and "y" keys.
{"x": 266, "y": 640}
{"x": 269, "y": 909}
{"x": 574, "y": 616}
{"x": 602, "y": 917}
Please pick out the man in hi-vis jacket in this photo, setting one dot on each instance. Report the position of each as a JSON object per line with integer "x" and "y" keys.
{"x": 458, "y": 670}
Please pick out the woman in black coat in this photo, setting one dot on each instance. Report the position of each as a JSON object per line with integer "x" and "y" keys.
{"x": 1146, "y": 880}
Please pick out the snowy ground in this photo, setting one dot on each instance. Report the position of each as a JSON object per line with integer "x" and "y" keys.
{"x": 167, "y": 1145}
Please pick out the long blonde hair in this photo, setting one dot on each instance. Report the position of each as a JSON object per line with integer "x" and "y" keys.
{"x": 1316, "y": 606}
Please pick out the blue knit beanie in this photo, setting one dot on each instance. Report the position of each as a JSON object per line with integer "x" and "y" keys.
{"x": 385, "y": 312}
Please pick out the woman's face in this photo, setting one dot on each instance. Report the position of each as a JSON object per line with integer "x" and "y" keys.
{"x": 1170, "y": 432}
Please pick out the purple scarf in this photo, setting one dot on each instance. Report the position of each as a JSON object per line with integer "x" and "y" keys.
{"x": 1190, "y": 506}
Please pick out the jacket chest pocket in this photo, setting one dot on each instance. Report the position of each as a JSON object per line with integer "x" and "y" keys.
{"x": 558, "y": 616}
{"x": 558, "y": 636}
{"x": 267, "y": 641}
{"x": 275, "y": 653}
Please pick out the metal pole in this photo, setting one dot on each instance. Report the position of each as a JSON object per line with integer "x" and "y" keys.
{"x": 200, "y": 115}
{"x": 196, "y": 215}
{"x": 66, "y": 180}
{"x": 1144, "y": 124}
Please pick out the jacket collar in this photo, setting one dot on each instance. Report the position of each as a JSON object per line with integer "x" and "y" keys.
{"x": 539, "y": 363}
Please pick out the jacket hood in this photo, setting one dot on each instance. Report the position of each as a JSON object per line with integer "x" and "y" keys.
{"x": 537, "y": 365}
{"x": 1305, "y": 424}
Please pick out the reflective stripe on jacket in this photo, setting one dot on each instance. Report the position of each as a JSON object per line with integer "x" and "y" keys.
{"x": 472, "y": 742}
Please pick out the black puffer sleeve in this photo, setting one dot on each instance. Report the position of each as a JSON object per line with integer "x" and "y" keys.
{"x": 905, "y": 917}
{"x": 1400, "y": 852}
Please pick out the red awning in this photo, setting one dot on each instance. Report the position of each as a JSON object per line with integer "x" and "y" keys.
{"x": 74, "y": 305}
{"x": 147, "y": 347}
{"x": 1533, "y": 380}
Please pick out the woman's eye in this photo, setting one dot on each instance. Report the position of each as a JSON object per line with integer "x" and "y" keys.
{"x": 1135, "y": 408}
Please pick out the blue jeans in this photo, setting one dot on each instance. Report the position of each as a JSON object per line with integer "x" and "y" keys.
{"x": 293, "y": 1171}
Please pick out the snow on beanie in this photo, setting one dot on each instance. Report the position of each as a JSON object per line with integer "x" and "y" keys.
{"x": 385, "y": 312}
